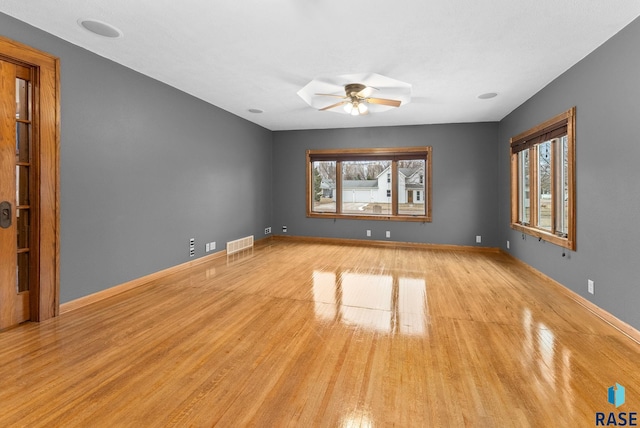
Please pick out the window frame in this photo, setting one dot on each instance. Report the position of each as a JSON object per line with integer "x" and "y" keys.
{"x": 551, "y": 130}
{"x": 392, "y": 154}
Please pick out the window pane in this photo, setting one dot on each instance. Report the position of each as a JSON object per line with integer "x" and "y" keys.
{"x": 22, "y": 142}
{"x": 22, "y": 279}
{"x": 524, "y": 203}
{"x": 324, "y": 186}
{"x": 22, "y": 185}
{"x": 411, "y": 187}
{"x": 562, "y": 201}
{"x": 365, "y": 188}
{"x": 22, "y": 218}
{"x": 544, "y": 185}
{"x": 22, "y": 99}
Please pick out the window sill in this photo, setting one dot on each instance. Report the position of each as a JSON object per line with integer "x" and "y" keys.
{"x": 545, "y": 236}
{"x": 422, "y": 219}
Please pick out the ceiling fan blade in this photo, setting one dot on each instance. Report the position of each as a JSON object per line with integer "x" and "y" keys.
{"x": 384, "y": 102}
{"x": 331, "y": 95}
{"x": 338, "y": 104}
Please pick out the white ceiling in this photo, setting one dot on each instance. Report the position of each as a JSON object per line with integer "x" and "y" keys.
{"x": 257, "y": 54}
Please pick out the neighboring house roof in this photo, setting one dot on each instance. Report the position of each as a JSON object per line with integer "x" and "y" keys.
{"x": 327, "y": 184}
{"x": 360, "y": 184}
{"x": 384, "y": 171}
{"x": 372, "y": 184}
{"x": 407, "y": 172}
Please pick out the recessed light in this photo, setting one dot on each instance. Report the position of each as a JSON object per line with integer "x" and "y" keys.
{"x": 487, "y": 96}
{"x": 100, "y": 28}
{"x": 255, "y": 110}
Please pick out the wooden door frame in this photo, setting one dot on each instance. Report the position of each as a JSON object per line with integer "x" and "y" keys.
{"x": 45, "y": 291}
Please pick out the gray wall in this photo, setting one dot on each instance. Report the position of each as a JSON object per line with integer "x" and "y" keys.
{"x": 605, "y": 88}
{"x": 464, "y": 181}
{"x": 145, "y": 167}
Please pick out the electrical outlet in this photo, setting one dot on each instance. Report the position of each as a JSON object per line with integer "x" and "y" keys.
{"x": 192, "y": 247}
{"x": 388, "y": 234}
{"x": 478, "y": 239}
{"x": 507, "y": 245}
{"x": 212, "y": 246}
{"x": 368, "y": 233}
{"x": 591, "y": 286}
{"x": 267, "y": 230}
{"x": 206, "y": 247}
{"x": 284, "y": 229}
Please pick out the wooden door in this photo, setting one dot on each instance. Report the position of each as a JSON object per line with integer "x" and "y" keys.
{"x": 29, "y": 189}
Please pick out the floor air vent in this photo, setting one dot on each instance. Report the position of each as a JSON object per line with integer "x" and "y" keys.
{"x": 239, "y": 244}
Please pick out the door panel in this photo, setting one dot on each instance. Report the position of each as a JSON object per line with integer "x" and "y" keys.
{"x": 15, "y": 266}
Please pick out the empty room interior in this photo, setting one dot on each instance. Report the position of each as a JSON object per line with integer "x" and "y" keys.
{"x": 305, "y": 213}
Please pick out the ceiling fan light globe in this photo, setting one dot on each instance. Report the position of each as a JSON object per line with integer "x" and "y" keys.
{"x": 348, "y": 108}
{"x": 355, "y": 111}
{"x": 362, "y": 108}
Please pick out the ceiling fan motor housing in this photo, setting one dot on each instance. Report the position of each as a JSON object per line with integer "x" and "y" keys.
{"x": 353, "y": 89}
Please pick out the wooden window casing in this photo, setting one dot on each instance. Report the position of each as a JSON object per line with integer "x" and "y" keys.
{"x": 388, "y": 154}
{"x": 552, "y": 130}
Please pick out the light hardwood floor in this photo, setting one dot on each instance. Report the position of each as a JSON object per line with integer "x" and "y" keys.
{"x": 305, "y": 334}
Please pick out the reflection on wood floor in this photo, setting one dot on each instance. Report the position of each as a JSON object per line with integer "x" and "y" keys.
{"x": 304, "y": 334}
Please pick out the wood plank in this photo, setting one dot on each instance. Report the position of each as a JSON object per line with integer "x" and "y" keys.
{"x": 129, "y": 285}
{"x": 147, "y": 279}
{"x": 616, "y": 323}
{"x": 378, "y": 243}
{"x": 302, "y": 333}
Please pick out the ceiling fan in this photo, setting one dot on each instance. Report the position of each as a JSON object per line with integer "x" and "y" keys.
{"x": 356, "y": 98}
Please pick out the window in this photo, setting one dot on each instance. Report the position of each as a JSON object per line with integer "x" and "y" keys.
{"x": 324, "y": 179}
{"x": 376, "y": 184}
{"x": 543, "y": 181}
